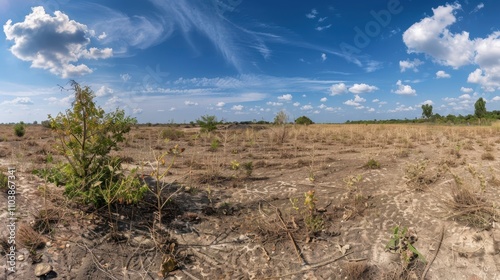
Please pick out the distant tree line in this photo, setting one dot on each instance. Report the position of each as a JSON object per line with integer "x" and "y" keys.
{"x": 481, "y": 116}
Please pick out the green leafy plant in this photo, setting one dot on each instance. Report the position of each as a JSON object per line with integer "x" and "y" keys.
{"x": 312, "y": 220}
{"x": 19, "y": 129}
{"x": 86, "y": 136}
{"x": 352, "y": 182}
{"x": 125, "y": 189}
{"x": 214, "y": 145}
{"x": 54, "y": 174}
{"x": 401, "y": 243}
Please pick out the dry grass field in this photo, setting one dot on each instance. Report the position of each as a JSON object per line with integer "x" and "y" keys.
{"x": 265, "y": 202}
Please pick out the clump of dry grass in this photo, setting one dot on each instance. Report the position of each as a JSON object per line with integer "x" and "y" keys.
{"x": 46, "y": 218}
{"x": 354, "y": 270}
{"x": 472, "y": 208}
{"x": 487, "y": 156}
{"x": 29, "y": 238}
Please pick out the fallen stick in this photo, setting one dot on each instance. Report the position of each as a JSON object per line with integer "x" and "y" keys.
{"x": 311, "y": 267}
{"x": 299, "y": 254}
{"x": 428, "y": 266}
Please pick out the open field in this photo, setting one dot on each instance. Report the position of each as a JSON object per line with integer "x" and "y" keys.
{"x": 242, "y": 205}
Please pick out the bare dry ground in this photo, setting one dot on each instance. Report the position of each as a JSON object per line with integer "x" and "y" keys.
{"x": 242, "y": 205}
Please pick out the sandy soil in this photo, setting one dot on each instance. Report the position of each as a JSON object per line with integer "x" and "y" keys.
{"x": 224, "y": 223}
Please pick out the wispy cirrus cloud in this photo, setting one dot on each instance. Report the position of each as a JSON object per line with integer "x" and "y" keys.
{"x": 232, "y": 41}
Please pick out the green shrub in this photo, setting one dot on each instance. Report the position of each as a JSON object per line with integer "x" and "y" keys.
{"x": 19, "y": 129}
{"x": 372, "y": 164}
{"x": 304, "y": 120}
{"x": 207, "y": 123}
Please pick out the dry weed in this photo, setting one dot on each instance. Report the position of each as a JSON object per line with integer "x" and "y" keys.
{"x": 354, "y": 270}
{"x": 29, "y": 238}
{"x": 472, "y": 208}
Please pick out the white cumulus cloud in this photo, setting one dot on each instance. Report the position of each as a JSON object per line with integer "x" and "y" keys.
{"x": 237, "y": 107}
{"x": 285, "y": 97}
{"x": 338, "y": 89}
{"x": 410, "y": 64}
{"x": 404, "y": 89}
{"x": 356, "y": 101}
{"x": 19, "y": 101}
{"x": 442, "y": 75}
{"x": 466, "y": 90}
{"x": 103, "y": 91}
{"x": 362, "y": 88}
{"x": 54, "y": 42}
{"x": 432, "y": 36}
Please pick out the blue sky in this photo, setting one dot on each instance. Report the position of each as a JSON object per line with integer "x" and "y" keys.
{"x": 332, "y": 61}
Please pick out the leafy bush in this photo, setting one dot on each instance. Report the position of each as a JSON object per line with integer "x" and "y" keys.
{"x": 304, "y": 120}
{"x": 207, "y": 123}
{"x": 19, "y": 129}
{"x": 87, "y": 135}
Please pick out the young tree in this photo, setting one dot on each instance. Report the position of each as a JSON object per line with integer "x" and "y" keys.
{"x": 87, "y": 135}
{"x": 19, "y": 129}
{"x": 427, "y": 111}
{"x": 480, "y": 108}
{"x": 281, "y": 118}
{"x": 207, "y": 123}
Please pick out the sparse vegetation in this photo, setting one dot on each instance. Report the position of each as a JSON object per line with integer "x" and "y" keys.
{"x": 312, "y": 199}
{"x": 171, "y": 133}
